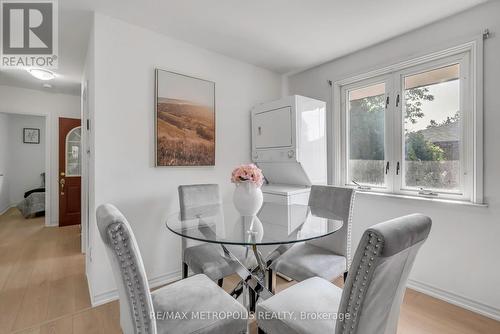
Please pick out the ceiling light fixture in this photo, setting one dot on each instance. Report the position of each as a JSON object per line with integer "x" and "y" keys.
{"x": 41, "y": 74}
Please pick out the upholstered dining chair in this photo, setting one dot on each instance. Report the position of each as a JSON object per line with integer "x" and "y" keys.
{"x": 328, "y": 257}
{"x": 204, "y": 200}
{"x": 142, "y": 311}
{"x": 371, "y": 299}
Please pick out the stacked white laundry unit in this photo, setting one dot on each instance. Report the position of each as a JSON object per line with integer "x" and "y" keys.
{"x": 289, "y": 145}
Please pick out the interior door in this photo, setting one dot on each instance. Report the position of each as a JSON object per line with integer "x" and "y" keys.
{"x": 70, "y": 166}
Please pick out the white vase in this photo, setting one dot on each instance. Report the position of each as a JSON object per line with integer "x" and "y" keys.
{"x": 247, "y": 198}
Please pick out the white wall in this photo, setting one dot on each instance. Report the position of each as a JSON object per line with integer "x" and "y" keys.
{"x": 25, "y": 162}
{"x": 4, "y": 187}
{"x": 33, "y": 102}
{"x": 125, "y": 59}
{"x": 460, "y": 260}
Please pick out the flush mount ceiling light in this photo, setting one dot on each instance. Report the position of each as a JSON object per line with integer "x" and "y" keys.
{"x": 41, "y": 74}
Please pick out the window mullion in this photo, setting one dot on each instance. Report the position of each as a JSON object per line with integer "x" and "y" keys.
{"x": 397, "y": 134}
{"x": 389, "y": 142}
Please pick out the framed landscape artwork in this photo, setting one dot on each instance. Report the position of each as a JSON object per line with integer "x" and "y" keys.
{"x": 184, "y": 120}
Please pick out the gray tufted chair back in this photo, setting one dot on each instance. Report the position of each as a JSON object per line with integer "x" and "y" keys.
{"x": 197, "y": 200}
{"x": 136, "y": 306}
{"x": 376, "y": 283}
{"x": 335, "y": 203}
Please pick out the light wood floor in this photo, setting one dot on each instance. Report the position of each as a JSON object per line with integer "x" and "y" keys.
{"x": 43, "y": 289}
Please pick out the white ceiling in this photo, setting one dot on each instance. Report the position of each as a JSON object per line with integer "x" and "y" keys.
{"x": 280, "y": 35}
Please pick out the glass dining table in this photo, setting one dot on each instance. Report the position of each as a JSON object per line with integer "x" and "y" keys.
{"x": 267, "y": 235}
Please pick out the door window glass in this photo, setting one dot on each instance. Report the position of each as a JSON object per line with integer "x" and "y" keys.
{"x": 73, "y": 152}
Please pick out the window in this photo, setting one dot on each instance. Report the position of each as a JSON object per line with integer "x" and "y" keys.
{"x": 366, "y": 135}
{"x": 409, "y": 129}
{"x": 73, "y": 154}
{"x": 432, "y": 130}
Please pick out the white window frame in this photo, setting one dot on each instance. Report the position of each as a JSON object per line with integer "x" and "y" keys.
{"x": 387, "y": 80}
{"x": 469, "y": 56}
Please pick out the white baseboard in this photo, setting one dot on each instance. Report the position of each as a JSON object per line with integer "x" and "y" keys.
{"x": 2, "y": 211}
{"x": 7, "y": 208}
{"x": 51, "y": 223}
{"x": 112, "y": 295}
{"x": 452, "y": 298}
{"x": 47, "y": 223}
{"x": 165, "y": 279}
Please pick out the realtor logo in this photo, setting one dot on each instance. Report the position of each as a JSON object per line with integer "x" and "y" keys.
{"x": 29, "y": 34}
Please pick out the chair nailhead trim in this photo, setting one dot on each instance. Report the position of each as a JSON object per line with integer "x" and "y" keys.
{"x": 140, "y": 310}
{"x": 349, "y": 231}
{"x": 359, "y": 284}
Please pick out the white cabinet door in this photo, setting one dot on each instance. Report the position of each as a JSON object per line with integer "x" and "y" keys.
{"x": 273, "y": 128}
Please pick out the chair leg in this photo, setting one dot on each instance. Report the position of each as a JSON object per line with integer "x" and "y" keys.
{"x": 271, "y": 280}
{"x": 252, "y": 299}
{"x": 345, "y": 276}
{"x": 185, "y": 270}
{"x": 260, "y": 331}
{"x": 220, "y": 282}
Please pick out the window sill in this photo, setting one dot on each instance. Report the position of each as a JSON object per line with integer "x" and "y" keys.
{"x": 421, "y": 198}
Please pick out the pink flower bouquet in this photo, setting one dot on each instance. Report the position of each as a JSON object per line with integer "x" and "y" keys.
{"x": 248, "y": 173}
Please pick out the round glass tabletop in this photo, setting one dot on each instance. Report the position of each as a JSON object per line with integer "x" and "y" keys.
{"x": 274, "y": 224}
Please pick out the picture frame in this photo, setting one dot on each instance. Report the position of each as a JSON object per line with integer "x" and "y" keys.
{"x": 185, "y": 126}
{"x": 31, "y": 136}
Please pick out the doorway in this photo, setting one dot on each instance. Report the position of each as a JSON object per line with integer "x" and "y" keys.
{"x": 70, "y": 168}
{"x": 23, "y": 166}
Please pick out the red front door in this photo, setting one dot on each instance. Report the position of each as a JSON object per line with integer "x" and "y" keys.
{"x": 70, "y": 158}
